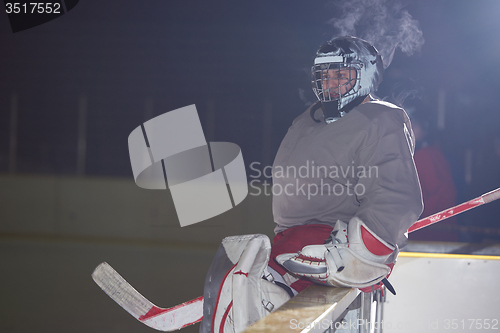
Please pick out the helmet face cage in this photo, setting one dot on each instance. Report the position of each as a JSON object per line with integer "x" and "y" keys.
{"x": 329, "y": 78}
{"x": 342, "y": 53}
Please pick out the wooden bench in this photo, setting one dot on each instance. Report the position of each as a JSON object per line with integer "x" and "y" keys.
{"x": 313, "y": 310}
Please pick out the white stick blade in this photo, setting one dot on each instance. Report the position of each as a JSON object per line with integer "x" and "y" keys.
{"x": 121, "y": 291}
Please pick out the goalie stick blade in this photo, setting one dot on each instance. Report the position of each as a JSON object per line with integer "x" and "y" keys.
{"x": 167, "y": 320}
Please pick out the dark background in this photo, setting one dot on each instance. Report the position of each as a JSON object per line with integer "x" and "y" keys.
{"x": 130, "y": 61}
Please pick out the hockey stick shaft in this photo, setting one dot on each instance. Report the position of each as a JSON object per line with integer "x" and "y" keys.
{"x": 447, "y": 213}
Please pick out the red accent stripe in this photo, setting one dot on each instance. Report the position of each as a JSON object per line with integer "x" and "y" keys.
{"x": 241, "y": 273}
{"x": 303, "y": 257}
{"x": 155, "y": 311}
{"x": 194, "y": 322}
{"x": 218, "y": 296}
{"x": 373, "y": 244}
{"x": 224, "y": 317}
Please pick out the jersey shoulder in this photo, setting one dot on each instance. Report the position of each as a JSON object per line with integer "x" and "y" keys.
{"x": 383, "y": 114}
{"x": 375, "y": 109}
{"x": 383, "y": 118}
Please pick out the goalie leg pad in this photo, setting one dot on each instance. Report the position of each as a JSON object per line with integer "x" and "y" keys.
{"x": 236, "y": 294}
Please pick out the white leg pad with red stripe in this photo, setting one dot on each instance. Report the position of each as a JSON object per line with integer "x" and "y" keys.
{"x": 236, "y": 295}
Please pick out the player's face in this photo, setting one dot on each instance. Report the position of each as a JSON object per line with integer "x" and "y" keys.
{"x": 337, "y": 81}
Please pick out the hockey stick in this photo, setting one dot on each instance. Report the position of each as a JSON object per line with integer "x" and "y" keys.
{"x": 191, "y": 312}
{"x": 438, "y": 217}
{"x": 133, "y": 302}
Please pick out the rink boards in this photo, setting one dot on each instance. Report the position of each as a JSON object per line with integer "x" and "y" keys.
{"x": 444, "y": 292}
{"x": 435, "y": 293}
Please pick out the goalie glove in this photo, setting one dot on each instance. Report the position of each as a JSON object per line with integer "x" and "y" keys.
{"x": 353, "y": 257}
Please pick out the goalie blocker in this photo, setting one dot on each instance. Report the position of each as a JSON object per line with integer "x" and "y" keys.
{"x": 353, "y": 256}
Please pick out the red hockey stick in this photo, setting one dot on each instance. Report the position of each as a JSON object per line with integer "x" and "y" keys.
{"x": 438, "y": 217}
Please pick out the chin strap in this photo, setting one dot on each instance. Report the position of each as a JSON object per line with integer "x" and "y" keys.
{"x": 313, "y": 110}
{"x": 330, "y": 110}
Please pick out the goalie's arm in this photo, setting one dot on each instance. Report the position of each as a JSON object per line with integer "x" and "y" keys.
{"x": 392, "y": 199}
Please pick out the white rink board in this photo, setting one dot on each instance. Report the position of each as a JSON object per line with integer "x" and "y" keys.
{"x": 450, "y": 293}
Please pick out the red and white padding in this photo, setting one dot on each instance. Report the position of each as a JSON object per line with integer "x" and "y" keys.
{"x": 358, "y": 260}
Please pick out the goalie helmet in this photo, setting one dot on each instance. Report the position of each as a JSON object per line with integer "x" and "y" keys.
{"x": 344, "y": 69}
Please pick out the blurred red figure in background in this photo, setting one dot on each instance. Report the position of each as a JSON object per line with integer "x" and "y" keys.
{"x": 438, "y": 188}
